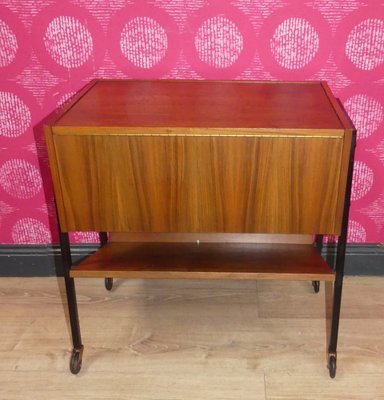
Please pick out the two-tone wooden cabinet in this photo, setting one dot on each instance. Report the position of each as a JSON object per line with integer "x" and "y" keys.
{"x": 203, "y": 179}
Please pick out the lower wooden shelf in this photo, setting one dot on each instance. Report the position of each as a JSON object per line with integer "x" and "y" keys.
{"x": 205, "y": 261}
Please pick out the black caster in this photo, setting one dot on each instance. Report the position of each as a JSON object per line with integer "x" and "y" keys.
{"x": 316, "y": 286}
{"x": 108, "y": 283}
{"x": 332, "y": 365}
{"x": 76, "y": 360}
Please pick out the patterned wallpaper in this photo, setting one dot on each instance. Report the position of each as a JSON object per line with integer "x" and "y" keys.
{"x": 50, "y": 49}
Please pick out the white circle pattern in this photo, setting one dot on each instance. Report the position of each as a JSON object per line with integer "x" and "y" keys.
{"x": 365, "y": 44}
{"x": 366, "y": 112}
{"x": 294, "y": 43}
{"x": 15, "y": 116}
{"x": 68, "y": 42}
{"x": 144, "y": 42}
{"x": 362, "y": 180}
{"x": 64, "y": 99}
{"x": 70, "y": 37}
{"x": 86, "y": 237}
{"x": 8, "y": 45}
{"x": 30, "y": 230}
{"x": 356, "y": 232}
{"x": 20, "y": 179}
{"x": 6, "y": 208}
{"x": 219, "y": 42}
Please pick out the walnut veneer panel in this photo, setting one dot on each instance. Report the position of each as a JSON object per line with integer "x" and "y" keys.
{"x": 174, "y": 237}
{"x": 207, "y": 261}
{"x": 201, "y": 104}
{"x": 199, "y": 184}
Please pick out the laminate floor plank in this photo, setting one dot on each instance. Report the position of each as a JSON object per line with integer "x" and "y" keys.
{"x": 171, "y": 383}
{"x": 363, "y": 299}
{"x": 308, "y": 386}
{"x": 181, "y": 339}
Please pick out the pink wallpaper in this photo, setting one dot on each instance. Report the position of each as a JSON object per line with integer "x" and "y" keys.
{"x": 49, "y": 49}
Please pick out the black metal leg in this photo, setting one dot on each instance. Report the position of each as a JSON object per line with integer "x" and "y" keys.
{"x": 316, "y": 286}
{"x": 339, "y": 269}
{"x": 319, "y": 246}
{"x": 77, "y": 352}
{"x": 103, "y": 237}
{"x": 319, "y": 243}
{"x": 108, "y": 282}
{"x": 337, "y": 292}
{"x": 78, "y": 348}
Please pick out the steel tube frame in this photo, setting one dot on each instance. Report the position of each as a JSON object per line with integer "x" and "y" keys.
{"x": 339, "y": 270}
{"x": 340, "y": 257}
{"x": 70, "y": 291}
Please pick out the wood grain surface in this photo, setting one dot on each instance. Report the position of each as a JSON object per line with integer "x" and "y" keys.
{"x": 156, "y": 237}
{"x": 203, "y": 104}
{"x": 178, "y": 339}
{"x": 200, "y": 156}
{"x": 205, "y": 261}
{"x": 199, "y": 184}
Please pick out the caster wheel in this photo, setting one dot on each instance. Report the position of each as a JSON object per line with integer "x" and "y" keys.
{"x": 76, "y": 360}
{"x": 332, "y": 366}
{"x": 316, "y": 286}
{"x": 108, "y": 283}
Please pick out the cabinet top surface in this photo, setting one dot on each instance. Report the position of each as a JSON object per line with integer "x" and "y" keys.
{"x": 203, "y": 104}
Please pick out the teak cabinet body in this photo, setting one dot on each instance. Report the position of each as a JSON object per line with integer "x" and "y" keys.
{"x": 206, "y": 163}
{"x": 132, "y": 183}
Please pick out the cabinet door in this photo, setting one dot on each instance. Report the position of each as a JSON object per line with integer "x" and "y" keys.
{"x": 136, "y": 183}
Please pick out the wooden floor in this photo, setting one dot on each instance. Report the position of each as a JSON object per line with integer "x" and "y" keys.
{"x": 183, "y": 339}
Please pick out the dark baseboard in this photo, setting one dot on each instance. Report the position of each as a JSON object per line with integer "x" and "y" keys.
{"x": 45, "y": 260}
{"x": 38, "y": 260}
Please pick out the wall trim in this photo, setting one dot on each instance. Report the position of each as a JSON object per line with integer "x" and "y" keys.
{"x": 45, "y": 260}
{"x": 38, "y": 260}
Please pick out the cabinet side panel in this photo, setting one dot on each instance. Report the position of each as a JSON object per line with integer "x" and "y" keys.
{"x": 199, "y": 184}
{"x": 55, "y": 177}
{"x": 346, "y": 154}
